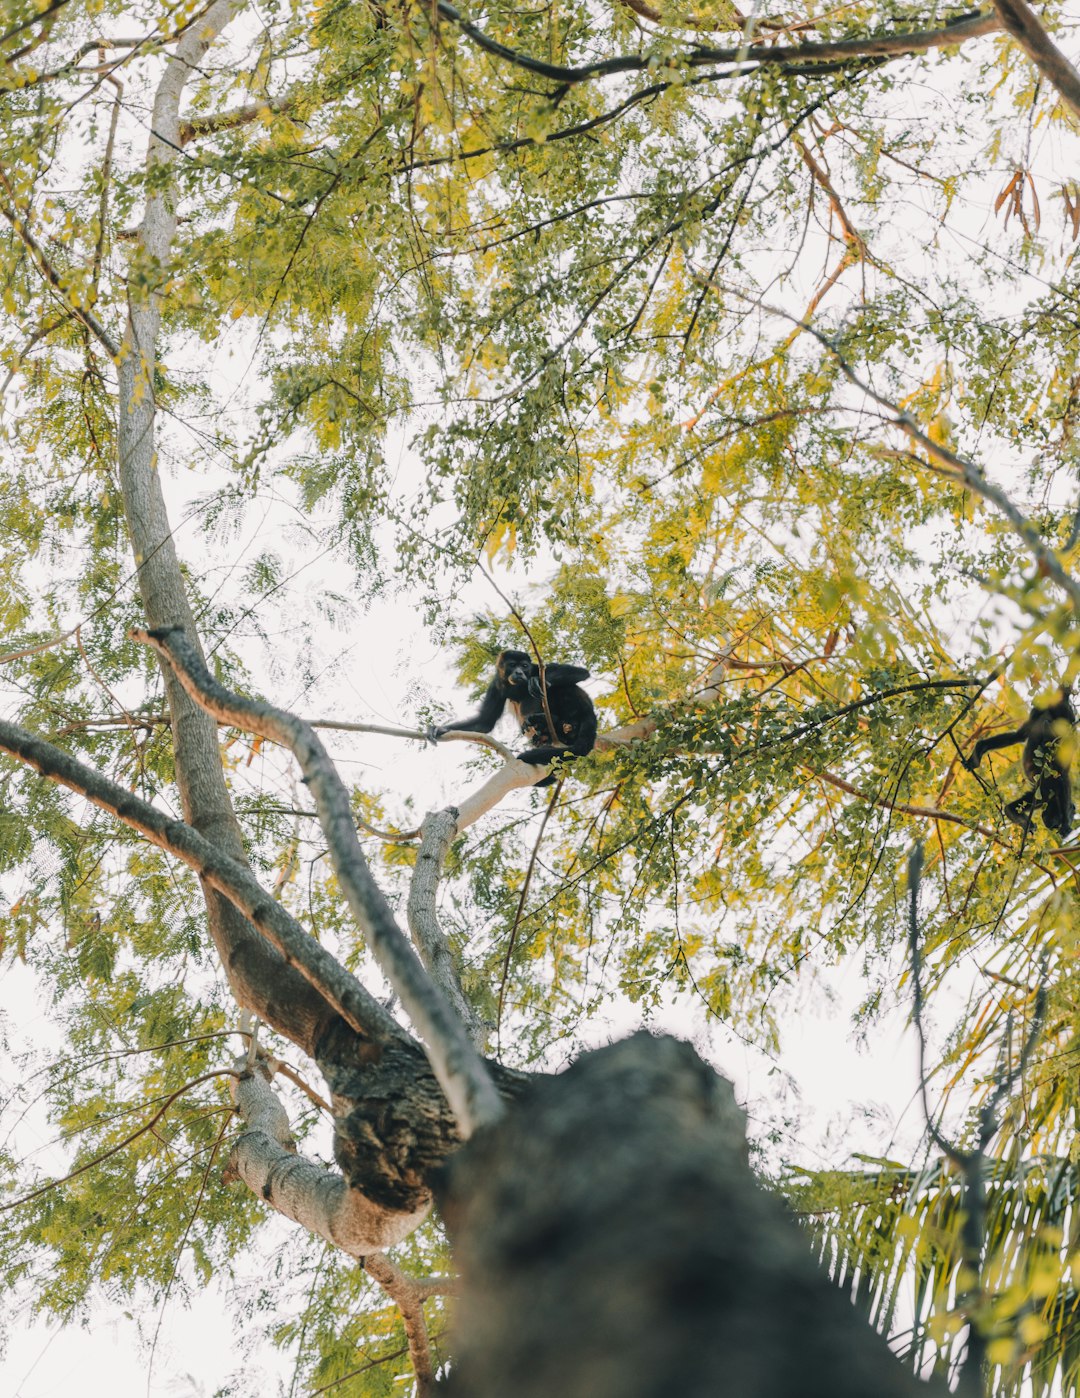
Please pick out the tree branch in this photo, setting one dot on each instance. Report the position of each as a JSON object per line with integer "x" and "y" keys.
{"x": 9, "y": 209}
{"x": 458, "y": 1067}
{"x": 117, "y": 1146}
{"x": 956, "y": 466}
{"x": 511, "y": 777}
{"x": 266, "y": 1159}
{"x": 970, "y": 26}
{"x": 456, "y": 735}
{"x": 517, "y": 774}
{"x": 409, "y": 1299}
{"x": 230, "y": 120}
{"x": 1022, "y": 23}
{"x": 437, "y": 831}
{"x": 970, "y": 1163}
{"x": 42, "y": 16}
{"x": 253, "y": 971}
{"x": 883, "y": 803}
{"x": 228, "y": 876}
{"x": 511, "y": 941}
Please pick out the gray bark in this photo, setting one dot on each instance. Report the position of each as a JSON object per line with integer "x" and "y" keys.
{"x": 393, "y": 1127}
{"x": 461, "y": 1071}
{"x": 258, "y": 976}
{"x": 266, "y": 1159}
{"x": 437, "y": 832}
{"x": 228, "y": 877}
{"x": 614, "y": 1244}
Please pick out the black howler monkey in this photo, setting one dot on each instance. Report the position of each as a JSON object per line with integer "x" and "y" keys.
{"x": 516, "y": 683}
{"x": 1046, "y": 735}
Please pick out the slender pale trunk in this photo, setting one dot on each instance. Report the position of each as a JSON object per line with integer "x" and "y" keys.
{"x": 259, "y": 978}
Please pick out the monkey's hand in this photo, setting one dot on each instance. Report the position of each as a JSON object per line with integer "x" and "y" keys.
{"x": 970, "y": 762}
{"x": 535, "y": 688}
{"x": 434, "y": 733}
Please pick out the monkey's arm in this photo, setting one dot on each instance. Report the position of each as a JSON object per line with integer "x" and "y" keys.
{"x": 491, "y": 707}
{"x": 999, "y": 740}
{"x": 557, "y": 677}
{"x": 540, "y": 757}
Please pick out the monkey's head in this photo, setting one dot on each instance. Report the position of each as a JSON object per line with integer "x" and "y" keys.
{"x": 515, "y": 670}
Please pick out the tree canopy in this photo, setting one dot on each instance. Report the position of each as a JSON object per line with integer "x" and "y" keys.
{"x": 732, "y": 356}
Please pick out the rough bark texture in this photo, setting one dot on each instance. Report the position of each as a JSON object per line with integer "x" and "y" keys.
{"x": 394, "y": 1128}
{"x": 614, "y": 1244}
{"x": 453, "y": 1055}
{"x": 265, "y": 1158}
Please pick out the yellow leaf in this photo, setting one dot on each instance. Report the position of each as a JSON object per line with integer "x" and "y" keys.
{"x": 501, "y": 536}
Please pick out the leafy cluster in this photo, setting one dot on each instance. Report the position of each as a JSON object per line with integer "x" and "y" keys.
{"x": 553, "y": 292}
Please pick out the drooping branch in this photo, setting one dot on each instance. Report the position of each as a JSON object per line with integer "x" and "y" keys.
{"x": 38, "y": 256}
{"x": 901, "y": 807}
{"x": 511, "y": 940}
{"x": 457, "y": 1065}
{"x": 971, "y": 475}
{"x": 232, "y": 879}
{"x": 266, "y": 1159}
{"x": 970, "y": 1163}
{"x": 517, "y": 774}
{"x": 98, "y": 1159}
{"x": 1022, "y": 23}
{"x": 42, "y": 16}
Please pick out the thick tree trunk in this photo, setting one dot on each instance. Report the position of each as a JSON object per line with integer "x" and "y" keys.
{"x": 614, "y": 1244}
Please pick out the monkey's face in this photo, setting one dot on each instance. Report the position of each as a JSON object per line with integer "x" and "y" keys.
{"x": 515, "y": 668}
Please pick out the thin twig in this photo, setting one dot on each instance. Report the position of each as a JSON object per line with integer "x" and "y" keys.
{"x": 959, "y": 467}
{"x": 119, "y": 1146}
{"x": 521, "y": 902}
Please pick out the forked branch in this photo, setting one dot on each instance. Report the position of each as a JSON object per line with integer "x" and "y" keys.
{"x": 266, "y": 1159}
{"x": 228, "y": 876}
{"x": 454, "y": 1059}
